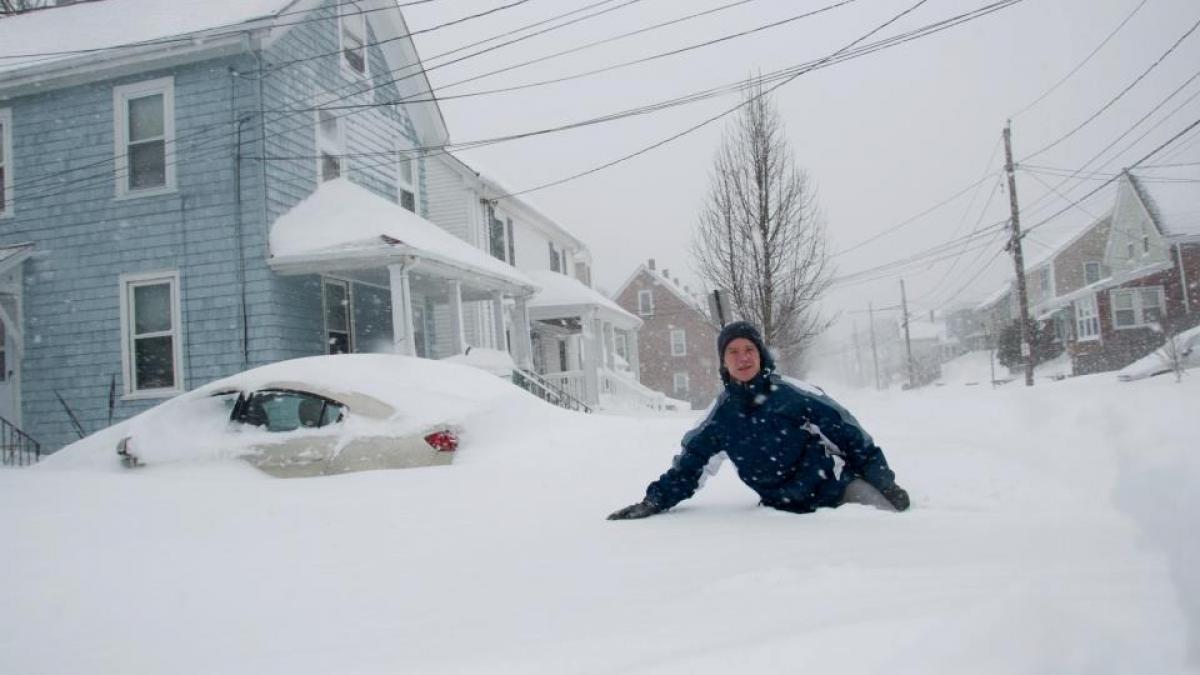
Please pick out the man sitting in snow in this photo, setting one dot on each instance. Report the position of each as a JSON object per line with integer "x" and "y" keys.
{"x": 793, "y": 445}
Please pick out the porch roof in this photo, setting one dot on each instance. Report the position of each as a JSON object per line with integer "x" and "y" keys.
{"x": 343, "y": 226}
{"x": 563, "y": 296}
{"x": 11, "y": 256}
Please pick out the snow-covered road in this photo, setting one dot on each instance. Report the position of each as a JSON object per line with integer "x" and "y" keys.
{"x": 1052, "y": 532}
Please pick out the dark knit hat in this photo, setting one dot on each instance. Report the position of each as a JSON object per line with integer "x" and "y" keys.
{"x": 742, "y": 329}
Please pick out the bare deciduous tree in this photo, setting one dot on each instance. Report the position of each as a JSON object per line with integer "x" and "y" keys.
{"x": 761, "y": 234}
{"x": 11, "y": 7}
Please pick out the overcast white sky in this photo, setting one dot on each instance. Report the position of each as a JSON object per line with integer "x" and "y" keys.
{"x": 883, "y": 137}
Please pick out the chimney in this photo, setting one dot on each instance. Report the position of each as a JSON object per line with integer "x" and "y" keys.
{"x": 651, "y": 264}
{"x": 666, "y": 274}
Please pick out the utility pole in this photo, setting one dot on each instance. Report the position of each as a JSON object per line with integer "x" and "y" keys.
{"x": 1014, "y": 245}
{"x": 874, "y": 351}
{"x": 912, "y": 382}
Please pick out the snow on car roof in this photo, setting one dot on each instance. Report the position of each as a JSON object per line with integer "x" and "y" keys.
{"x": 193, "y": 426}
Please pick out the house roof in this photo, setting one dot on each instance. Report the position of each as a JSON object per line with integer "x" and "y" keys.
{"x": 561, "y": 293}
{"x": 11, "y": 256}
{"x": 666, "y": 283}
{"x": 1172, "y": 196}
{"x": 998, "y": 295}
{"x": 344, "y": 224}
{"x": 37, "y": 39}
{"x": 90, "y": 40}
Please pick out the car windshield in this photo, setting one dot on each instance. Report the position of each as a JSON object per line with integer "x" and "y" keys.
{"x": 277, "y": 410}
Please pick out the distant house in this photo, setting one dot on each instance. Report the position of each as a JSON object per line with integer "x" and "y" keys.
{"x": 677, "y": 348}
{"x": 1113, "y": 290}
{"x": 188, "y": 194}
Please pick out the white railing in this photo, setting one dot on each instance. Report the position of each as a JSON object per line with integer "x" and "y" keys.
{"x": 570, "y": 381}
{"x": 623, "y": 387}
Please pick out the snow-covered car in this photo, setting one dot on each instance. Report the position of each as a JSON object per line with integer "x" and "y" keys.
{"x": 308, "y": 417}
{"x": 1182, "y": 350}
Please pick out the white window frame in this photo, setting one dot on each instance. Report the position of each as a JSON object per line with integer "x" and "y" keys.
{"x": 348, "y": 15}
{"x": 6, "y": 162}
{"x": 1099, "y": 272}
{"x": 678, "y": 346}
{"x": 122, "y": 95}
{"x": 404, "y": 157}
{"x": 1087, "y": 319}
{"x": 127, "y": 284}
{"x": 646, "y": 302}
{"x": 1129, "y": 250}
{"x": 350, "y": 331}
{"x": 675, "y": 382}
{"x": 1137, "y": 305}
{"x": 334, "y": 146}
{"x": 621, "y": 345}
{"x": 1145, "y": 244}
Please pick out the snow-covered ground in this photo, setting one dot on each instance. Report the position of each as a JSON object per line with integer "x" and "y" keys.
{"x": 1053, "y": 531}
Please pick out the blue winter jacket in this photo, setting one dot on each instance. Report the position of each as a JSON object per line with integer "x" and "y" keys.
{"x": 791, "y": 443}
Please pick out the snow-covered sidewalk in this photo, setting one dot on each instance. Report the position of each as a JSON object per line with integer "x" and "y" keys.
{"x": 1051, "y": 533}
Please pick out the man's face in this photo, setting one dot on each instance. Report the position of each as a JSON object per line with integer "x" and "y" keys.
{"x": 742, "y": 360}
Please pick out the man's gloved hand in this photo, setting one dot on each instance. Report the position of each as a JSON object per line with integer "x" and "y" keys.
{"x": 897, "y": 496}
{"x": 641, "y": 509}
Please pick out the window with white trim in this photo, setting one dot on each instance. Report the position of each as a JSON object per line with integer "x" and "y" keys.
{"x": 620, "y": 345}
{"x": 144, "y": 117}
{"x": 352, "y": 24}
{"x": 1087, "y": 319}
{"x": 1044, "y": 280}
{"x": 555, "y": 259}
{"x": 406, "y": 173}
{"x": 1145, "y": 244}
{"x": 500, "y": 236}
{"x": 645, "y": 302}
{"x": 6, "y": 174}
{"x": 1137, "y": 307}
{"x": 678, "y": 342}
{"x": 3, "y": 360}
{"x": 1091, "y": 272}
{"x": 680, "y": 385}
{"x": 339, "y": 336}
{"x": 331, "y": 145}
{"x": 1129, "y": 250}
{"x": 150, "y": 329}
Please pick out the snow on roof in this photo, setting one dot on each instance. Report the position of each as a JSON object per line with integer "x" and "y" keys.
{"x": 27, "y": 40}
{"x": 995, "y": 297}
{"x": 666, "y": 282}
{"x": 1173, "y": 198}
{"x": 559, "y": 290}
{"x": 342, "y": 218}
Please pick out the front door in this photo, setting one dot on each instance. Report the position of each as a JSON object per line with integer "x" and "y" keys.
{"x": 8, "y": 377}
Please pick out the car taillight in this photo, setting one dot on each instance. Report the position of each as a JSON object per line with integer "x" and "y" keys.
{"x": 442, "y": 441}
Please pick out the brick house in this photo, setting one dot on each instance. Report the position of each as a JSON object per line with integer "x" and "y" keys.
{"x": 677, "y": 341}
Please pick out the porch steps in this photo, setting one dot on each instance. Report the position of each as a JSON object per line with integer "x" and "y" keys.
{"x": 543, "y": 389}
{"x": 17, "y": 448}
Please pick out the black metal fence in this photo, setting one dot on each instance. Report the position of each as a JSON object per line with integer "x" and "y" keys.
{"x": 16, "y": 447}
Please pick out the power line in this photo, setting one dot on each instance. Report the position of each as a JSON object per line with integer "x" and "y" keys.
{"x": 1118, "y": 97}
{"x": 1082, "y": 63}
{"x": 986, "y": 10}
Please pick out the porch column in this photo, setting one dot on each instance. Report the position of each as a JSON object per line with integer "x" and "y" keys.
{"x": 402, "y": 323}
{"x": 593, "y": 329}
{"x": 522, "y": 347}
{"x": 458, "y": 341}
{"x": 631, "y": 353}
{"x": 498, "y": 340}
{"x": 609, "y": 346}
